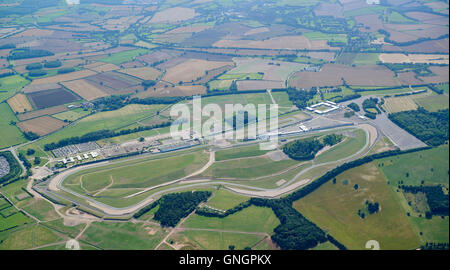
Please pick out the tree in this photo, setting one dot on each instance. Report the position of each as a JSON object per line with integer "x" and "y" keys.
{"x": 37, "y": 160}
{"x": 231, "y": 247}
{"x": 30, "y": 152}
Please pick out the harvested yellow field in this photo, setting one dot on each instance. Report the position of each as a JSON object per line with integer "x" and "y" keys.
{"x": 171, "y": 15}
{"x": 144, "y": 73}
{"x": 102, "y": 67}
{"x": 189, "y": 29}
{"x": 34, "y": 33}
{"x": 42, "y": 125}
{"x": 20, "y": 104}
{"x": 399, "y": 104}
{"x": 84, "y": 89}
{"x": 257, "y": 31}
{"x": 65, "y": 77}
{"x": 286, "y": 42}
{"x": 191, "y": 70}
{"x": 414, "y": 58}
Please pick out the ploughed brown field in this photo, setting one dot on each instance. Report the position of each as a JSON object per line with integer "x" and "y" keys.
{"x": 41, "y": 125}
{"x": 50, "y": 98}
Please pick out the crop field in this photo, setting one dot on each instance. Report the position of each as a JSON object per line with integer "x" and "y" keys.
{"x": 84, "y": 89}
{"x": 19, "y": 103}
{"x": 125, "y": 56}
{"x": 64, "y": 77}
{"x": 414, "y": 58}
{"x": 114, "y": 82}
{"x": 432, "y": 103}
{"x": 220, "y": 84}
{"x": 38, "y": 113}
{"x": 251, "y": 219}
{"x": 143, "y": 73}
{"x": 173, "y": 15}
{"x": 101, "y": 67}
{"x": 334, "y": 208}
{"x": 42, "y": 125}
{"x": 50, "y": 98}
{"x": 259, "y": 85}
{"x": 105, "y": 120}
{"x": 10, "y": 134}
{"x": 191, "y": 70}
{"x": 10, "y": 85}
{"x": 285, "y": 42}
{"x": 399, "y": 104}
{"x": 137, "y": 174}
{"x": 271, "y": 70}
{"x": 332, "y": 74}
{"x": 71, "y": 115}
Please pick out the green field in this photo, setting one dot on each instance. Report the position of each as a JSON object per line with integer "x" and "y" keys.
{"x": 29, "y": 237}
{"x": 242, "y": 76}
{"x": 122, "y": 57}
{"x": 366, "y": 59}
{"x": 140, "y": 173}
{"x": 247, "y": 168}
{"x": 10, "y": 134}
{"x": 72, "y": 115}
{"x": 334, "y": 208}
{"x": 111, "y": 120}
{"x": 211, "y": 240}
{"x": 224, "y": 199}
{"x": 240, "y": 152}
{"x": 324, "y": 36}
{"x": 10, "y": 85}
{"x": 430, "y": 166}
{"x": 432, "y": 103}
{"x": 123, "y": 235}
{"x": 251, "y": 219}
{"x": 348, "y": 147}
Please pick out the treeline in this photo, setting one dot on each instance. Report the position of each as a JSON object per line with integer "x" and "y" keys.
{"x": 208, "y": 212}
{"x": 354, "y": 106}
{"x": 31, "y": 136}
{"x": 7, "y": 46}
{"x": 436, "y": 198}
{"x": 300, "y": 98}
{"x": 429, "y": 127}
{"x": 435, "y": 246}
{"x": 28, "y": 53}
{"x": 98, "y": 135}
{"x": 65, "y": 70}
{"x": 175, "y": 206}
{"x": 305, "y": 149}
{"x": 346, "y": 98}
{"x": 112, "y": 103}
{"x": 295, "y": 232}
{"x": 25, "y": 161}
{"x": 14, "y": 167}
